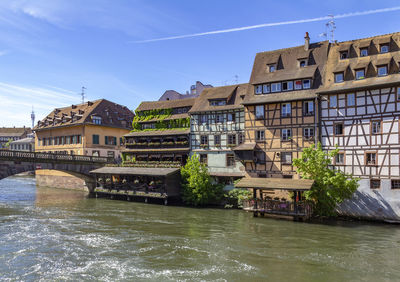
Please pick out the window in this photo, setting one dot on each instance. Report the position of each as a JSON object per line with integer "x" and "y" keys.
{"x": 260, "y": 112}
{"x": 339, "y": 159}
{"x": 370, "y": 159}
{"x": 231, "y": 139}
{"x": 363, "y": 52}
{"x": 219, "y": 118}
{"x": 96, "y": 153}
{"x": 203, "y": 159}
{"x": 298, "y": 84}
{"x": 308, "y": 107}
{"x": 217, "y": 102}
{"x": 217, "y": 140}
{"x": 286, "y": 110}
{"x": 231, "y": 117}
{"x": 375, "y": 127}
{"x": 266, "y": 88}
{"x": 96, "y": 120}
{"x": 344, "y": 55}
{"x": 360, "y": 74}
{"x": 339, "y": 77}
{"x": 351, "y": 99}
{"x": 121, "y": 141}
{"x": 306, "y": 83}
{"x": 375, "y": 183}
{"x": 258, "y": 89}
{"x": 286, "y": 157}
{"x": 260, "y": 157}
{"x": 398, "y": 93}
{"x": 260, "y": 135}
{"x": 203, "y": 119}
{"x": 395, "y": 184}
{"x": 110, "y": 140}
{"x": 384, "y": 48}
{"x": 308, "y": 133}
{"x": 276, "y": 87}
{"x": 382, "y": 70}
{"x": 303, "y": 63}
{"x": 241, "y": 138}
{"x": 148, "y": 126}
{"x": 204, "y": 140}
{"x": 287, "y": 85}
{"x": 286, "y": 134}
{"x": 333, "y": 101}
{"x": 230, "y": 160}
{"x": 272, "y": 68}
{"x": 338, "y": 129}
{"x": 96, "y": 139}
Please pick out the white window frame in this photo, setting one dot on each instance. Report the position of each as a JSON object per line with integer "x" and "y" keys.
{"x": 298, "y": 86}
{"x": 266, "y": 88}
{"x": 336, "y": 77}
{"x": 360, "y": 77}
{"x": 258, "y": 110}
{"x": 308, "y": 108}
{"x": 376, "y": 127}
{"x": 382, "y": 50}
{"x": 361, "y": 52}
{"x": 260, "y": 135}
{"x": 276, "y": 87}
{"x": 286, "y": 109}
{"x": 305, "y": 85}
{"x": 385, "y": 67}
{"x": 286, "y": 134}
{"x": 308, "y": 132}
{"x": 258, "y": 89}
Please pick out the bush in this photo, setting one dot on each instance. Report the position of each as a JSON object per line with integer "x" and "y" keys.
{"x": 236, "y": 197}
{"x": 197, "y": 184}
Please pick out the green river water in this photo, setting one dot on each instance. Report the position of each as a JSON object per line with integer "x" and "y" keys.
{"x": 61, "y": 235}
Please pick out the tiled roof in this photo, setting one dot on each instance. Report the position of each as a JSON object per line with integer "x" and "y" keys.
{"x": 169, "y": 104}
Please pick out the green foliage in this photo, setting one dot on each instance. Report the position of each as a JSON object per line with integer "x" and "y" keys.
{"x": 198, "y": 187}
{"x": 7, "y": 145}
{"x": 236, "y": 197}
{"x": 331, "y": 186}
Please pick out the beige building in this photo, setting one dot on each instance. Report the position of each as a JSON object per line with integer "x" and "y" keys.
{"x": 93, "y": 128}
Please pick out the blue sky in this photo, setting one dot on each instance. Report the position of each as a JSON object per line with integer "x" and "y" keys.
{"x": 49, "y": 49}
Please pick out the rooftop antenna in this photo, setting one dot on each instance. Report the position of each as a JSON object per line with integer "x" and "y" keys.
{"x": 33, "y": 118}
{"x": 331, "y": 26}
{"x": 83, "y": 94}
{"x": 236, "y": 79}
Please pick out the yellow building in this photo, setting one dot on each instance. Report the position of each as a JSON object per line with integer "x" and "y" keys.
{"x": 93, "y": 128}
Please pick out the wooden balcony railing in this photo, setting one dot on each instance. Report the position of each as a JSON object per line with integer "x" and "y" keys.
{"x": 300, "y": 208}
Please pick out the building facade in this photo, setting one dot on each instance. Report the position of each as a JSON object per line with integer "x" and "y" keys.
{"x": 160, "y": 132}
{"x": 217, "y": 126}
{"x": 26, "y": 144}
{"x": 195, "y": 91}
{"x": 93, "y": 128}
{"x": 360, "y": 109}
{"x": 9, "y": 134}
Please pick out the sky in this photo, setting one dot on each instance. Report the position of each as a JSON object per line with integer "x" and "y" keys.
{"x": 49, "y": 49}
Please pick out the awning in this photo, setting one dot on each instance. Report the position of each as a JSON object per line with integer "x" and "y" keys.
{"x": 245, "y": 147}
{"x": 146, "y": 171}
{"x": 361, "y": 64}
{"x": 383, "y": 61}
{"x": 275, "y": 183}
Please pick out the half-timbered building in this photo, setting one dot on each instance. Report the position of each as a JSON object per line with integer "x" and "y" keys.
{"x": 360, "y": 109}
{"x": 160, "y": 132}
{"x": 217, "y": 126}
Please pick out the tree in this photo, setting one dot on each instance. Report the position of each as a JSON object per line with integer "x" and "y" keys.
{"x": 331, "y": 186}
{"x": 198, "y": 187}
{"x": 7, "y": 145}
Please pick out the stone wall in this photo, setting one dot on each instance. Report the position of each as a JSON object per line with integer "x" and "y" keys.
{"x": 61, "y": 179}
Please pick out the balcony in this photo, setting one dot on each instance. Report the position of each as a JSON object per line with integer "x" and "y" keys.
{"x": 157, "y": 144}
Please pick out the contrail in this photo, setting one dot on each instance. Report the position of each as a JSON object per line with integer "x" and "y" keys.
{"x": 340, "y": 16}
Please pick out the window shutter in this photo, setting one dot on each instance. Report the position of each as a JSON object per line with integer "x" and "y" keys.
{"x": 105, "y": 140}
{"x": 115, "y": 140}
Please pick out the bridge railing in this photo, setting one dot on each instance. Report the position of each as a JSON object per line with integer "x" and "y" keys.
{"x": 37, "y": 157}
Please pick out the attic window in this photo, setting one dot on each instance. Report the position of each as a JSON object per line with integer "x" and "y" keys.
{"x": 363, "y": 52}
{"x": 217, "y": 103}
{"x": 272, "y": 68}
{"x": 360, "y": 74}
{"x": 96, "y": 120}
{"x": 382, "y": 70}
{"x": 339, "y": 77}
{"x": 344, "y": 55}
{"x": 384, "y": 48}
{"x": 303, "y": 63}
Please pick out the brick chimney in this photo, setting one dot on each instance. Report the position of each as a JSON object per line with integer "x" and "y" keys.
{"x": 306, "y": 41}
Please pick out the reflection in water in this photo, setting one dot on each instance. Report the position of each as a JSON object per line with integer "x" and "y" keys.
{"x": 49, "y": 233}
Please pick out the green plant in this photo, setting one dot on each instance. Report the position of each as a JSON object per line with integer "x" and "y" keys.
{"x": 331, "y": 186}
{"x": 236, "y": 197}
{"x": 198, "y": 187}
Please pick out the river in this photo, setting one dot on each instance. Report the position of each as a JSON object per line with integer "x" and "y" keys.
{"x": 52, "y": 234}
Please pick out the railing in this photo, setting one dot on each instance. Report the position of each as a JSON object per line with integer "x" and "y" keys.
{"x": 300, "y": 208}
{"x": 145, "y": 188}
{"x": 50, "y": 157}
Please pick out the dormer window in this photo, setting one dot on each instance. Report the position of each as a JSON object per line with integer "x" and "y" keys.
{"x": 344, "y": 55}
{"x": 258, "y": 89}
{"x": 217, "y": 103}
{"x": 96, "y": 120}
{"x": 266, "y": 88}
{"x": 339, "y": 77}
{"x": 303, "y": 63}
{"x": 363, "y": 52}
{"x": 384, "y": 48}
{"x": 382, "y": 70}
{"x": 306, "y": 83}
{"x": 360, "y": 74}
{"x": 272, "y": 68}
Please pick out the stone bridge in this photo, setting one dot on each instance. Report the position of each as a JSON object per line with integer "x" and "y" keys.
{"x": 14, "y": 162}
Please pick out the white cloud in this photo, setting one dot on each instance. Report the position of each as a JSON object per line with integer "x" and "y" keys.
{"x": 17, "y": 102}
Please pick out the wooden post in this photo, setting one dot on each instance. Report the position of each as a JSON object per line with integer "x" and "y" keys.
{"x": 255, "y": 198}
{"x": 295, "y": 201}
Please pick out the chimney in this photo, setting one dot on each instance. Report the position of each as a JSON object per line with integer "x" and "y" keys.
{"x": 306, "y": 41}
